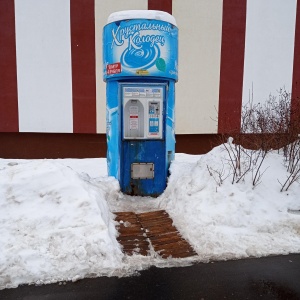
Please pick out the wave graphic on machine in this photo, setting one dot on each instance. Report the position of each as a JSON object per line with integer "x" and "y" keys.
{"x": 143, "y": 58}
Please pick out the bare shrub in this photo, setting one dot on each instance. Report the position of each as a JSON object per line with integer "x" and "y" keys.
{"x": 292, "y": 162}
{"x": 243, "y": 161}
{"x": 264, "y": 126}
{"x": 273, "y": 124}
{"x": 240, "y": 161}
{"x": 219, "y": 175}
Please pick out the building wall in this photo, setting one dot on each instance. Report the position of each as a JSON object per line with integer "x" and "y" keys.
{"x": 269, "y": 48}
{"x": 44, "y": 68}
{"x": 51, "y": 61}
{"x": 197, "y": 91}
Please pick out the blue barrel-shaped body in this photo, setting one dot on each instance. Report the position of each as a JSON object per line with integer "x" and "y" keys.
{"x": 140, "y": 57}
{"x": 140, "y": 48}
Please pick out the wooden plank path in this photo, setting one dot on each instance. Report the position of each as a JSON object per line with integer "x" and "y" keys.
{"x": 138, "y": 232}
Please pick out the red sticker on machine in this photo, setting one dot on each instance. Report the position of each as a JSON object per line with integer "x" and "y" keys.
{"x": 113, "y": 68}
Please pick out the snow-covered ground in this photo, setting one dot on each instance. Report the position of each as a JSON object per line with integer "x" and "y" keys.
{"x": 57, "y": 222}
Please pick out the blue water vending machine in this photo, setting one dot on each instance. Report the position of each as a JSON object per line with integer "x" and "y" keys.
{"x": 140, "y": 56}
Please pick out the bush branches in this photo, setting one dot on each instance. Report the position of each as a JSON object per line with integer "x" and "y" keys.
{"x": 274, "y": 124}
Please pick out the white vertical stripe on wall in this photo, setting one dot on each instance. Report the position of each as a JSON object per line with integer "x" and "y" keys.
{"x": 269, "y": 49}
{"x": 102, "y": 11}
{"x": 197, "y": 91}
{"x": 43, "y": 44}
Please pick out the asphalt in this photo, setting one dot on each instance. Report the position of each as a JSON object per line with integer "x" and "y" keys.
{"x": 276, "y": 277}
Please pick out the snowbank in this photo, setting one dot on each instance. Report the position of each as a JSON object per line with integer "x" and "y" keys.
{"x": 141, "y": 14}
{"x": 233, "y": 220}
{"x": 54, "y": 224}
{"x": 56, "y": 216}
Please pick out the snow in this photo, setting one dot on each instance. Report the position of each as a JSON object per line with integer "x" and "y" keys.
{"x": 141, "y": 14}
{"x": 57, "y": 222}
{"x": 54, "y": 224}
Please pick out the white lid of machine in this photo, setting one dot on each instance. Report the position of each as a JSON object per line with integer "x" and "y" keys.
{"x": 141, "y": 14}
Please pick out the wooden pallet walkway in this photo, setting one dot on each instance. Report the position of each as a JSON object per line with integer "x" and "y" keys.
{"x": 138, "y": 232}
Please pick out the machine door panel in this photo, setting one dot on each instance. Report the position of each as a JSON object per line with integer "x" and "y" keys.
{"x": 144, "y": 167}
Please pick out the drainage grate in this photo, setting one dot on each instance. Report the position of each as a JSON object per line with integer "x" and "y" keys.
{"x": 137, "y": 231}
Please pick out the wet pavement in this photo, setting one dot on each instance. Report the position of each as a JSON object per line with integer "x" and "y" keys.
{"x": 276, "y": 277}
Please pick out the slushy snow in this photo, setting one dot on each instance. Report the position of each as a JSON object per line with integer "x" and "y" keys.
{"x": 57, "y": 222}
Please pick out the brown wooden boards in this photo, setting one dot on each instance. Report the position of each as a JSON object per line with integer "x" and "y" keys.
{"x": 138, "y": 232}
{"x": 132, "y": 237}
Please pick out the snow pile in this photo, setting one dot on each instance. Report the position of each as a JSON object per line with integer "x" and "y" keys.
{"x": 54, "y": 224}
{"x": 56, "y": 220}
{"x": 141, "y": 14}
{"x": 233, "y": 220}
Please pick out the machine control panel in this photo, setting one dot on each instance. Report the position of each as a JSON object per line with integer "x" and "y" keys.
{"x": 142, "y": 112}
{"x": 154, "y": 115}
